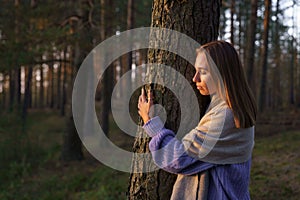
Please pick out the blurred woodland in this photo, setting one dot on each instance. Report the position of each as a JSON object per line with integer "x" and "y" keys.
{"x": 42, "y": 45}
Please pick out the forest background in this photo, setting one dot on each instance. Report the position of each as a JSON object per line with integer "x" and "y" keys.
{"x": 42, "y": 45}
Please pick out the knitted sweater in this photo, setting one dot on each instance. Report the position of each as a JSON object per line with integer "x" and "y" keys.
{"x": 198, "y": 179}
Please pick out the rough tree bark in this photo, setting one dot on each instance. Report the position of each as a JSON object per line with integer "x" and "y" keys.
{"x": 198, "y": 19}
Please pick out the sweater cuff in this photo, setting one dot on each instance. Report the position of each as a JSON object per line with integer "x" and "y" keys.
{"x": 153, "y": 126}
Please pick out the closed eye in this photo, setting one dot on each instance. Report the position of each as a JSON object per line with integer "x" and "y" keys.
{"x": 203, "y": 72}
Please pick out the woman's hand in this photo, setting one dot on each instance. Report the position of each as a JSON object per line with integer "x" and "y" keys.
{"x": 144, "y": 105}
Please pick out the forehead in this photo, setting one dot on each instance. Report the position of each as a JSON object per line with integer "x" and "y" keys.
{"x": 201, "y": 61}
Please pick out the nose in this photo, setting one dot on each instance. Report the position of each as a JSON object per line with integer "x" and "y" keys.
{"x": 196, "y": 77}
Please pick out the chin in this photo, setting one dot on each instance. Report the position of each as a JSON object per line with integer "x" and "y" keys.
{"x": 204, "y": 93}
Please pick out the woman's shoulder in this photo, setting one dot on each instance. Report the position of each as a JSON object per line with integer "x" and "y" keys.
{"x": 225, "y": 112}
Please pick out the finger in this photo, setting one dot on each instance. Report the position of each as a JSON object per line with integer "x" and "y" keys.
{"x": 143, "y": 92}
{"x": 143, "y": 95}
{"x": 150, "y": 95}
{"x": 150, "y": 101}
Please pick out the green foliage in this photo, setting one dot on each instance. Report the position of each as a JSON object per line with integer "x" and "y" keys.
{"x": 28, "y": 32}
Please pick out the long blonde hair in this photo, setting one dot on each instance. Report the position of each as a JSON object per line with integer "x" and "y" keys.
{"x": 239, "y": 96}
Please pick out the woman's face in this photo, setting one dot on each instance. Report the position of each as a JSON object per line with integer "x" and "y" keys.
{"x": 202, "y": 77}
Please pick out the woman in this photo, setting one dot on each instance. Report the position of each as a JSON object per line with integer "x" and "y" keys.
{"x": 213, "y": 160}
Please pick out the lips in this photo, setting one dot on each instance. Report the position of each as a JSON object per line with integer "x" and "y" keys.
{"x": 199, "y": 87}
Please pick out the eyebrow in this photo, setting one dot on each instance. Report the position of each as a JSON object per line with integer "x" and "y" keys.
{"x": 205, "y": 68}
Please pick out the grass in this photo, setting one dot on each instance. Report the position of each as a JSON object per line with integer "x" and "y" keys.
{"x": 30, "y": 167}
{"x": 275, "y": 168}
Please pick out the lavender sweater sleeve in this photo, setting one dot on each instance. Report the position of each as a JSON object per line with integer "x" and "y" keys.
{"x": 169, "y": 153}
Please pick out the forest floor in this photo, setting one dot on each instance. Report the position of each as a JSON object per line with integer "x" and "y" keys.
{"x": 30, "y": 165}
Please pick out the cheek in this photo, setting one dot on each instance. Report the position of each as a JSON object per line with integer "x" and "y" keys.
{"x": 209, "y": 84}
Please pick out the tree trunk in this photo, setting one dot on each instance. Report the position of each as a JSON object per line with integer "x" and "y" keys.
{"x": 232, "y": 10}
{"x": 35, "y": 89}
{"x": 27, "y": 95}
{"x": 223, "y": 20}
{"x": 72, "y": 145}
{"x": 247, "y": 12}
{"x": 277, "y": 72}
{"x": 11, "y": 89}
{"x": 130, "y": 21}
{"x": 264, "y": 57}
{"x": 41, "y": 100}
{"x": 58, "y": 85}
{"x": 51, "y": 77}
{"x": 249, "y": 63}
{"x": 47, "y": 83}
{"x": 199, "y": 20}
{"x": 108, "y": 74}
{"x": 291, "y": 75}
{"x": 2, "y": 93}
{"x": 18, "y": 87}
{"x": 240, "y": 28}
{"x": 105, "y": 100}
{"x": 64, "y": 84}
{"x": 17, "y": 72}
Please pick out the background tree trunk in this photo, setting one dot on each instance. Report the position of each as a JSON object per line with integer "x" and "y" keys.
{"x": 232, "y": 12}
{"x": 249, "y": 63}
{"x": 130, "y": 22}
{"x": 52, "y": 86}
{"x": 27, "y": 95}
{"x": 240, "y": 29}
{"x": 35, "y": 88}
{"x": 277, "y": 71}
{"x": 11, "y": 89}
{"x": 58, "y": 85}
{"x": 41, "y": 99}
{"x": 72, "y": 145}
{"x": 199, "y": 20}
{"x": 108, "y": 74}
{"x": 291, "y": 75}
{"x": 18, "y": 87}
{"x": 64, "y": 85}
{"x": 264, "y": 57}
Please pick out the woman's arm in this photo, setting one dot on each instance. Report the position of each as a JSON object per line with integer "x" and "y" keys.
{"x": 169, "y": 153}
